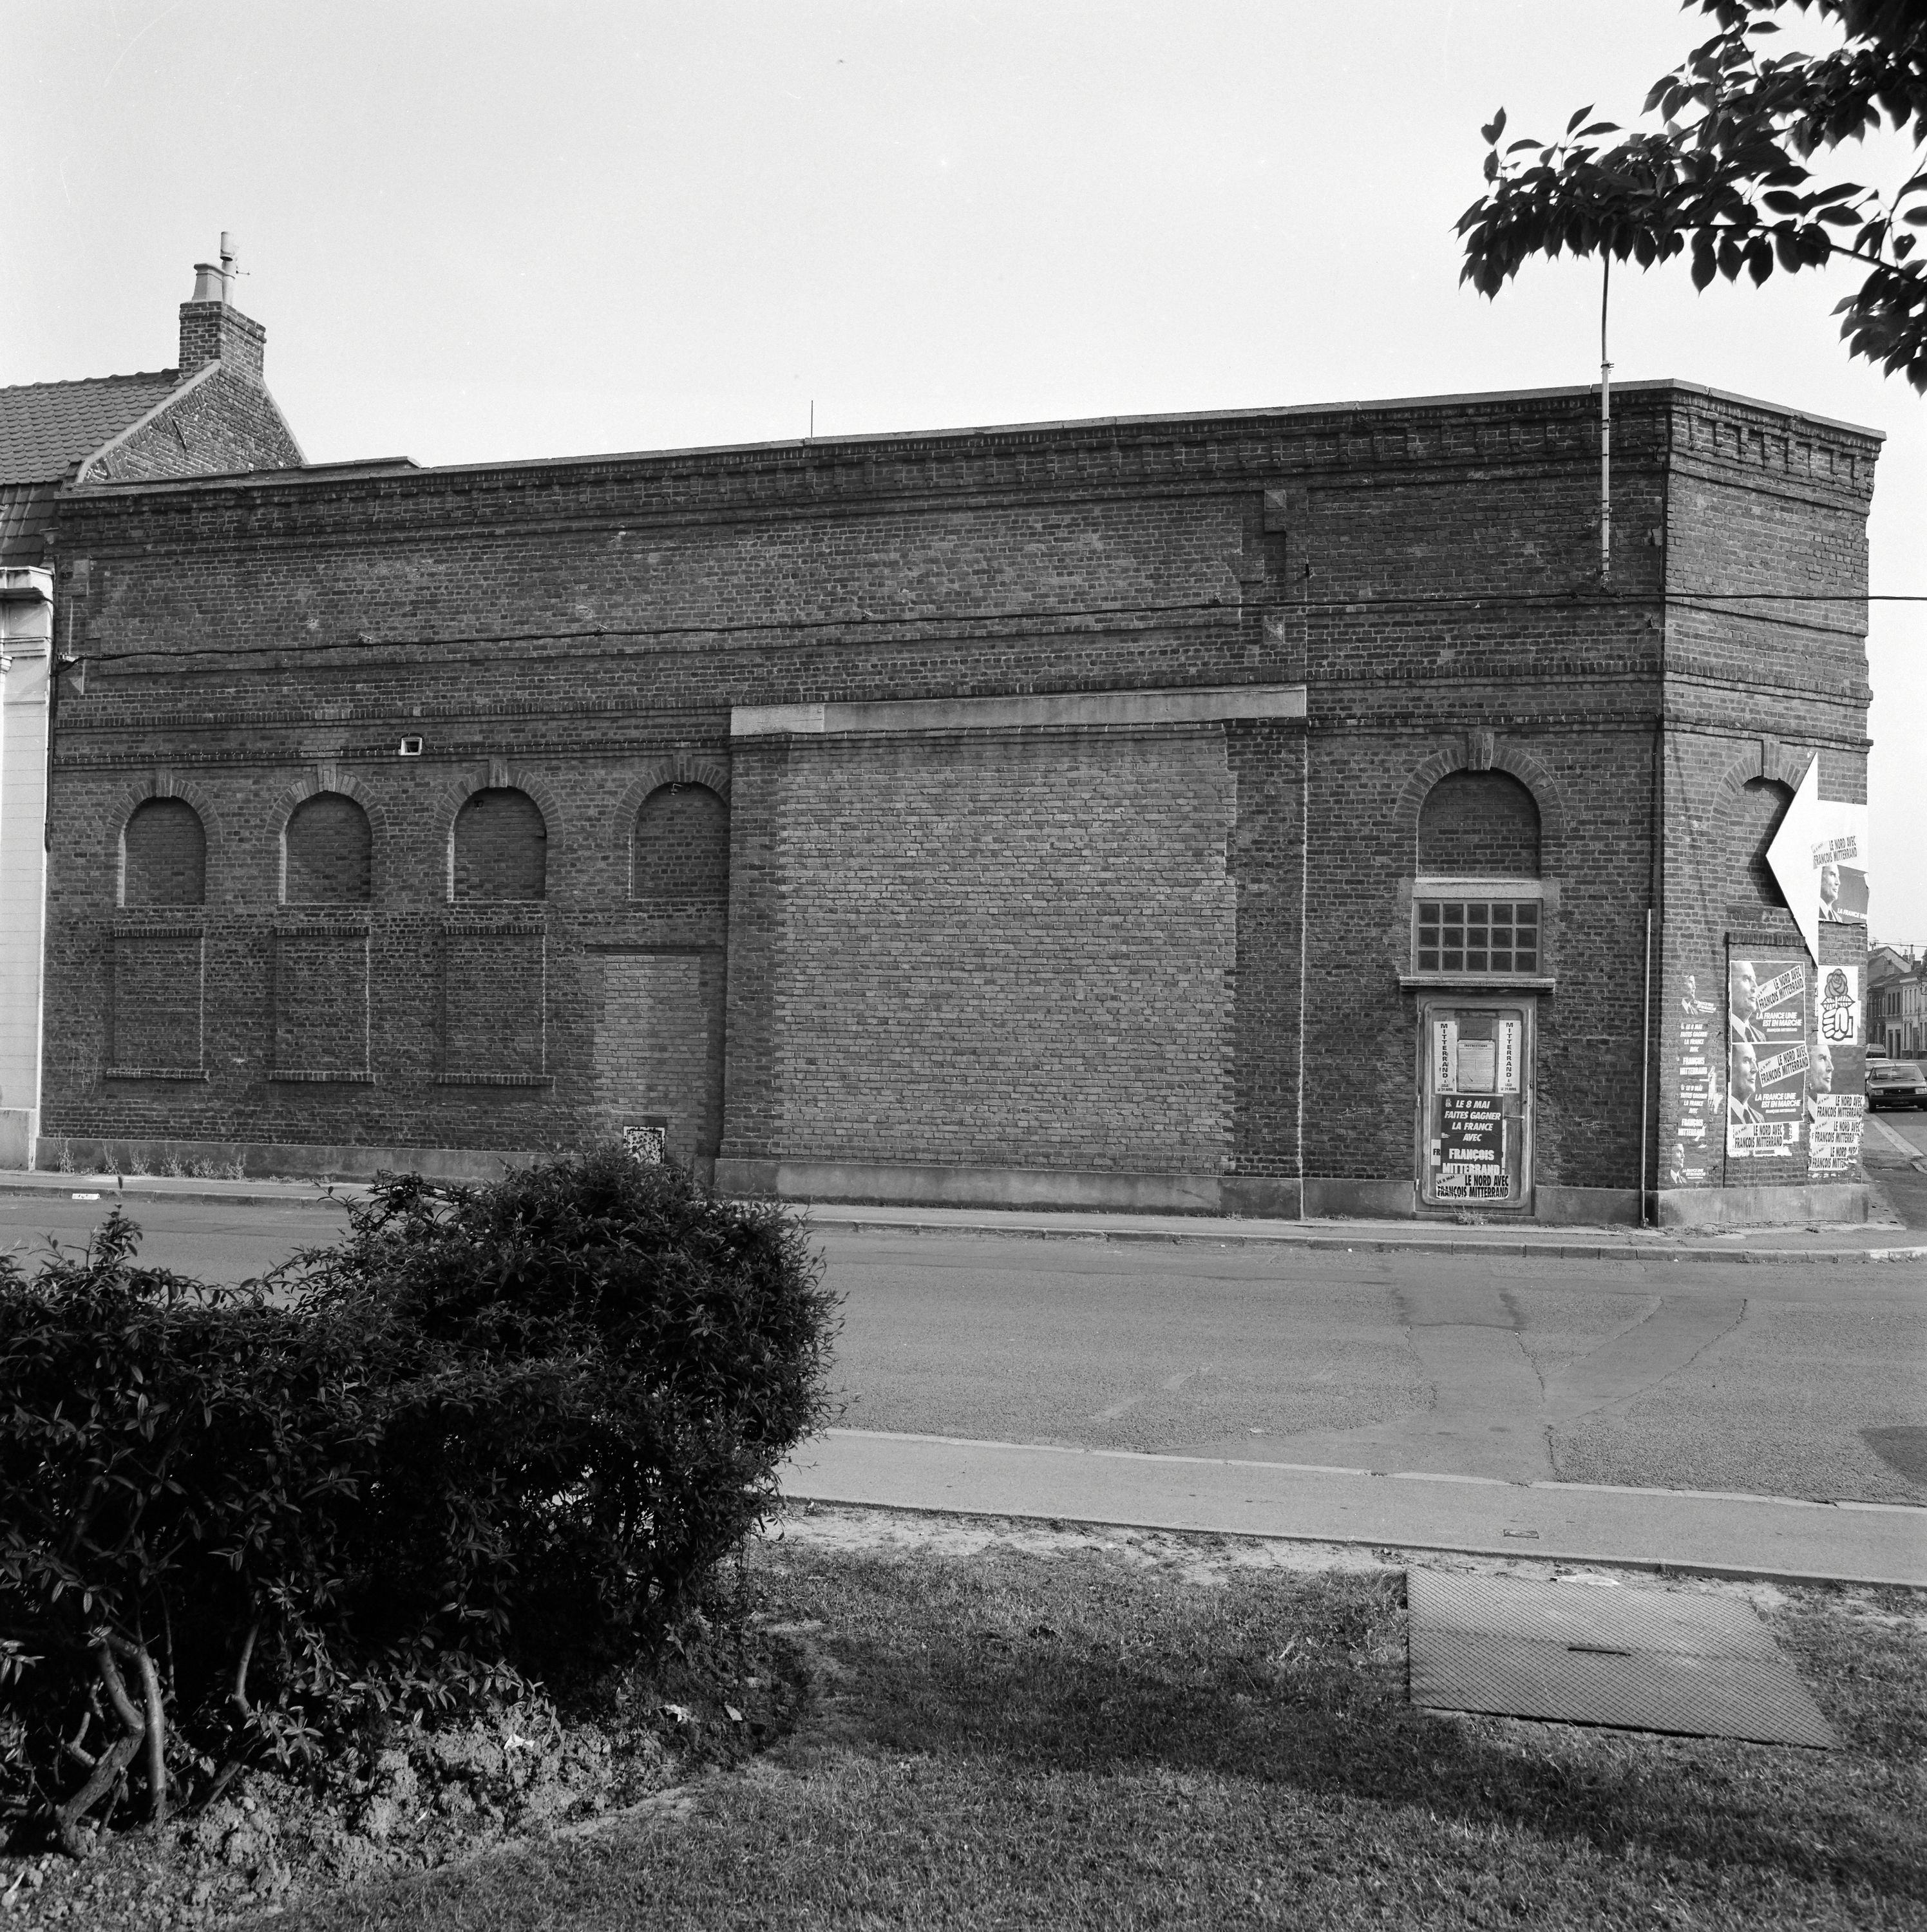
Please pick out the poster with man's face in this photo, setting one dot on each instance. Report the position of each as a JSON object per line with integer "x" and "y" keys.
{"x": 1767, "y": 1058}
{"x": 1819, "y": 856}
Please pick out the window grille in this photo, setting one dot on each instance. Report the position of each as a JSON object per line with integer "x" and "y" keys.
{"x": 1476, "y": 936}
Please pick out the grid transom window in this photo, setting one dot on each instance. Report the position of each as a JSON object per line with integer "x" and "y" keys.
{"x": 1477, "y": 936}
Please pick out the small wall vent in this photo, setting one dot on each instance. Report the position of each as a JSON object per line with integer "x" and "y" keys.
{"x": 411, "y": 748}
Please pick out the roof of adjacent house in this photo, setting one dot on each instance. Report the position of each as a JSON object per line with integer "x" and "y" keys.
{"x": 26, "y": 515}
{"x": 47, "y": 428}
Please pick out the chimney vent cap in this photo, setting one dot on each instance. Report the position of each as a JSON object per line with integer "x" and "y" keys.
{"x": 210, "y": 284}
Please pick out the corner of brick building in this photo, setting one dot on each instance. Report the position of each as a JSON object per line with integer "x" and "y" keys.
{"x": 1756, "y": 689}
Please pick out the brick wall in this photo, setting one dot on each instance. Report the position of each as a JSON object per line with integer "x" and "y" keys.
{"x": 1008, "y": 953}
{"x": 158, "y": 996}
{"x": 659, "y": 1046}
{"x": 1265, "y": 862}
{"x": 1753, "y": 692}
{"x": 494, "y": 1002}
{"x": 1741, "y": 835}
{"x": 321, "y": 1001}
{"x": 227, "y": 423}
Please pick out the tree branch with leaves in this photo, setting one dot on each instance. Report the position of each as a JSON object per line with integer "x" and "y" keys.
{"x": 1726, "y": 178}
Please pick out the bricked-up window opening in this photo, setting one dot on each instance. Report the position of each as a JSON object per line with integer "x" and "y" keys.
{"x": 501, "y": 848}
{"x": 329, "y": 852}
{"x": 1478, "y": 825}
{"x": 1749, "y": 824}
{"x": 1477, "y": 936}
{"x": 163, "y": 855}
{"x": 681, "y": 849}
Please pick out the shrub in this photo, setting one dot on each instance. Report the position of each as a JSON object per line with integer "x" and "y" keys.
{"x": 492, "y": 1430}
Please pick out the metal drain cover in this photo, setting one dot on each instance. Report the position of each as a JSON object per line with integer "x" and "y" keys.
{"x": 1699, "y": 1666}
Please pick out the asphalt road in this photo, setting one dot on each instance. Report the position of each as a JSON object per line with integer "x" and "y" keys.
{"x": 1800, "y": 1381}
{"x": 1803, "y": 1381}
{"x": 1893, "y": 1170}
{"x": 224, "y": 1244}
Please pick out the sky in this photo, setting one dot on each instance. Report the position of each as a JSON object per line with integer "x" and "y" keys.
{"x": 478, "y": 229}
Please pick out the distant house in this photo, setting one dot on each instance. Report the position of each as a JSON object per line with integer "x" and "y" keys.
{"x": 1897, "y": 1002}
{"x": 210, "y": 415}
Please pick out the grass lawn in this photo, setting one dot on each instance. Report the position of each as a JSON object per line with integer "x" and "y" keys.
{"x": 1115, "y": 1730}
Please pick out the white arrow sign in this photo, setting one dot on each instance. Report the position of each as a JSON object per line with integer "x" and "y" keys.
{"x": 1819, "y": 856}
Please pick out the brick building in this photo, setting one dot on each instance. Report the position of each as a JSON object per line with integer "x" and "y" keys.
{"x": 1897, "y": 1002}
{"x": 211, "y": 414}
{"x": 1256, "y": 812}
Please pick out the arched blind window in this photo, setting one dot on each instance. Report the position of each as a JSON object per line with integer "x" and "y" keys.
{"x": 163, "y": 855}
{"x": 329, "y": 850}
{"x": 1478, "y": 825}
{"x": 1747, "y": 827}
{"x": 681, "y": 847}
{"x": 501, "y": 847}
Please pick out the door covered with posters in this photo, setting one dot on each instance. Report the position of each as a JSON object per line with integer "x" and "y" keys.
{"x": 1476, "y": 1103}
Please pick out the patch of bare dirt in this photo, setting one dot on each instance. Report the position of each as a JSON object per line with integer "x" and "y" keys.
{"x": 418, "y": 1797}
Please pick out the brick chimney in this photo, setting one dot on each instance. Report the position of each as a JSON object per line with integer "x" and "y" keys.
{"x": 212, "y": 329}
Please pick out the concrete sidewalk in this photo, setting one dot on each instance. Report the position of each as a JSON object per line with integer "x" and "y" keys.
{"x": 1690, "y": 1530}
{"x": 179, "y": 1187}
{"x": 1861, "y": 1243}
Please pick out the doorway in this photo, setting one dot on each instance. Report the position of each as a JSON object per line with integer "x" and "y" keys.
{"x": 1475, "y": 1104}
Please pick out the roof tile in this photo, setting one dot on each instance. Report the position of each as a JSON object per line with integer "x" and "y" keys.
{"x": 26, "y": 510}
{"x": 47, "y": 428}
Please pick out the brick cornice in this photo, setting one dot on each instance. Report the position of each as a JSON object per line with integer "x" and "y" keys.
{"x": 1406, "y": 439}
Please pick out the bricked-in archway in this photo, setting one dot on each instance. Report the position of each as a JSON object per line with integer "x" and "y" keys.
{"x": 327, "y": 781}
{"x": 681, "y": 846}
{"x": 1480, "y": 752}
{"x": 501, "y": 848}
{"x": 163, "y": 855}
{"x": 162, "y": 784}
{"x": 1479, "y": 825}
{"x": 328, "y": 853}
{"x": 1748, "y": 819}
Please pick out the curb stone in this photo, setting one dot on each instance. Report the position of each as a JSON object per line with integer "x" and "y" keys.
{"x": 1373, "y": 1243}
{"x": 823, "y": 1218}
{"x": 1405, "y": 1554}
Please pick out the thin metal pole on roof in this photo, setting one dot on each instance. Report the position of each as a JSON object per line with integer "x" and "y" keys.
{"x": 1605, "y": 430}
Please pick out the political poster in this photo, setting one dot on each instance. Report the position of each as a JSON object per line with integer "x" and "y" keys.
{"x": 1469, "y": 1160}
{"x": 1835, "y": 1117}
{"x": 1842, "y": 865}
{"x": 1699, "y": 1086}
{"x": 1838, "y": 1016}
{"x": 1484, "y": 1053}
{"x": 1819, "y": 856}
{"x": 1767, "y": 1058}
{"x": 1476, "y": 1074}
{"x": 1833, "y": 1152}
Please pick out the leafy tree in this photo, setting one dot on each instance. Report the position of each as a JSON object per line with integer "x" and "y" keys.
{"x": 1726, "y": 176}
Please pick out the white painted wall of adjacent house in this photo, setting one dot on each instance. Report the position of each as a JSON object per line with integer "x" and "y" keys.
{"x": 26, "y": 641}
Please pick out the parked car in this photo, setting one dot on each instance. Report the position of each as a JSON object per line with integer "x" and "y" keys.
{"x": 1895, "y": 1083}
